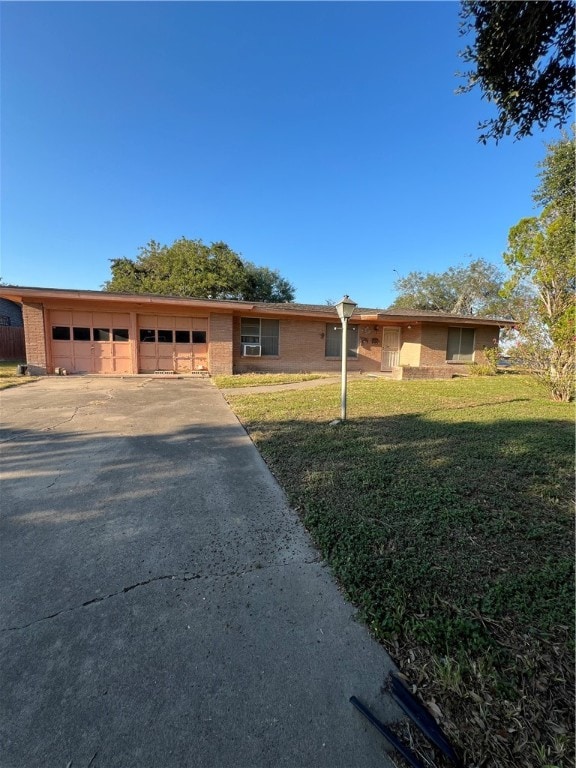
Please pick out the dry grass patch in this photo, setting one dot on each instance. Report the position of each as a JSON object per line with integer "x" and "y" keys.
{"x": 9, "y": 376}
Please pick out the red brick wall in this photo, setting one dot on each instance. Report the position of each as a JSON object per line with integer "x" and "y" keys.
{"x": 302, "y": 348}
{"x": 485, "y": 336}
{"x": 435, "y": 344}
{"x": 429, "y": 372}
{"x": 410, "y": 345}
{"x": 34, "y": 334}
{"x": 220, "y": 344}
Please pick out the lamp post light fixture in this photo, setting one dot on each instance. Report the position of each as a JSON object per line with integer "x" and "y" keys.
{"x": 345, "y": 308}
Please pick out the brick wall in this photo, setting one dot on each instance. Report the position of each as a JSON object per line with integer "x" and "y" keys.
{"x": 411, "y": 341}
{"x": 434, "y": 345}
{"x": 34, "y": 334}
{"x": 427, "y": 372}
{"x": 220, "y": 344}
{"x": 301, "y": 348}
{"x": 485, "y": 336}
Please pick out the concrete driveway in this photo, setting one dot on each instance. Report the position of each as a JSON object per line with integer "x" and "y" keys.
{"x": 161, "y": 604}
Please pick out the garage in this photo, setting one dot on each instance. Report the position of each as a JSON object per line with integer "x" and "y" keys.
{"x": 167, "y": 343}
{"x": 90, "y": 342}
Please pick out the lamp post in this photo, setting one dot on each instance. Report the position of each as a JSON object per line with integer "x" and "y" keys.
{"x": 345, "y": 308}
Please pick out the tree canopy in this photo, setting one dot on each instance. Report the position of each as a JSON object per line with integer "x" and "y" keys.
{"x": 192, "y": 268}
{"x": 541, "y": 254}
{"x": 523, "y": 62}
{"x": 467, "y": 289}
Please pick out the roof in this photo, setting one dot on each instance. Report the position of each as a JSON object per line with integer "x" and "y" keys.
{"x": 20, "y": 293}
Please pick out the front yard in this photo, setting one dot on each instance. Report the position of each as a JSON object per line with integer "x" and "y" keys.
{"x": 445, "y": 511}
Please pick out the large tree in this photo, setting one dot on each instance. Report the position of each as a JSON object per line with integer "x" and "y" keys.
{"x": 192, "y": 268}
{"x": 467, "y": 289}
{"x": 541, "y": 254}
{"x": 523, "y": 61}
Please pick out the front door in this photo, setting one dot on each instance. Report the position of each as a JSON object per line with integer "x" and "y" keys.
{"x": 390, "y": 348}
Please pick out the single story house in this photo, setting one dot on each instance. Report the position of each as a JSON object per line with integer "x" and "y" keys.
{"x": 98, "y": 332}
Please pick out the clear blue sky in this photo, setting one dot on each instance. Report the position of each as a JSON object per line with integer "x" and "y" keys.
{"x": 320, "y": 139}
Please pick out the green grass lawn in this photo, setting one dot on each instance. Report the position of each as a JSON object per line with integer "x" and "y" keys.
{"x": 445, "y": 511}
{"x": 9, "y": 376}
{"x": 263, "y": 379}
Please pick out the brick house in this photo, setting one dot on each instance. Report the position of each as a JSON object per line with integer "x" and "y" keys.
{"x": 114, "y": 333}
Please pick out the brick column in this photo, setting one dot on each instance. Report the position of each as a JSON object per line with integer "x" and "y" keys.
{"x": 35, "y": 337}
{"x": 220, "y": 345}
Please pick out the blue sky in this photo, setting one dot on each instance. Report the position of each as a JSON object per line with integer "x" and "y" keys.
{"x": 320, "y": 139}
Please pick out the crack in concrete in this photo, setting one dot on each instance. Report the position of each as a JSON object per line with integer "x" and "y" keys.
{"x": 24, "y": 435}
{"x": 185, "y": 576}
{"x": 178, "y": 577}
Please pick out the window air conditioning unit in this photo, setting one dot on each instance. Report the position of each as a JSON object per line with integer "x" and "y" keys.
{"x": 252, "y": 350}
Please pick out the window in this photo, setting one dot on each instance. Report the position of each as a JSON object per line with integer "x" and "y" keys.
{"x": 334, "y": 340}
{"x": 255, "y": 331}
{"x": 120, "y": 334}
{"x": 147, "y": 334}
{"x": 4, "y": 320}
{"x": 165, "y": 337}
{"x": 199, "y": 337}
{"x": 460, "y": 345}
{"x": 60, "y": 333}
{"x": 182, "y": 337}
{"x": 101, "y": 334}
{"x": 81, "y": 334}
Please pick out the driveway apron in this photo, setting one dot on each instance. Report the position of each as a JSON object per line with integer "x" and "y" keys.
{"x": 161, "y": 603}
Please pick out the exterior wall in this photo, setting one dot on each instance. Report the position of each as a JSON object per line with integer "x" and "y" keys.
{"x": 301, "y": 348}
{"x": 38, "y": 334}
{"x": 10, "y": 314}
{"x": 434, "y": 345}
{"x": 220, "y": 344}
{"x": 34, "y": 334}
{"x": 486, "y": 336}
{"x": 411, "y": 342}
{"x": 423, "y": 346}
{"x": 433, "y": 350}
{"x": 428, "y": 372}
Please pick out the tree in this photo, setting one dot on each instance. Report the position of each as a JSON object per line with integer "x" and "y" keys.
{"x": 472, "y": 289}
{"x": 541, "y": 253}
{"x": 192, "y": 268}
{"x": 523, "y": 58}
{"x": 264, "y": 284}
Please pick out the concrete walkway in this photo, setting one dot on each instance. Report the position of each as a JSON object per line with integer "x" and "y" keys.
{"x": 161, "y": 604}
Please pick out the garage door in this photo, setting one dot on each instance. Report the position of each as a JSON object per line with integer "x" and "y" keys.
{"x": 90, "y": 342}
{"x": 176, "y": 344}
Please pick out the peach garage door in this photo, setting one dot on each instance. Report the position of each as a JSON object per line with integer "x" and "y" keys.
{"x": 178, "y": 344}
{"x": 90, "y": 342}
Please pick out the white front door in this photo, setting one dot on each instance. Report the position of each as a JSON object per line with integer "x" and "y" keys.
{"x": 390, "y": 348}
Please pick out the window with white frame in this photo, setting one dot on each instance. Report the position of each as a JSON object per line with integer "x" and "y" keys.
{"x": 260, "y": 332}
{"x": 333, "y": 346}
{"x": 460, "y": 345}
